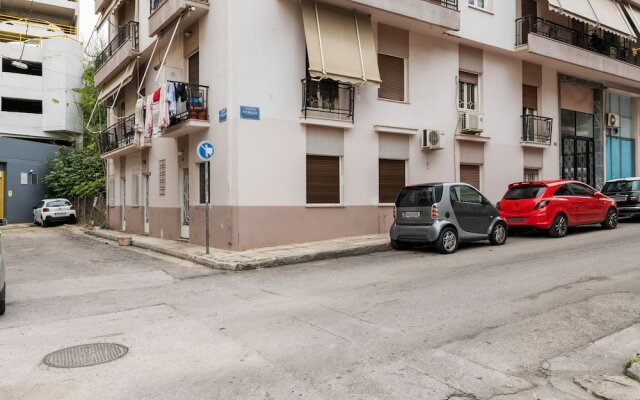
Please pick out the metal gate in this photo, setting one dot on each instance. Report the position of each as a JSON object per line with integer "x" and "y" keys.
{"x": 578, "y": 159}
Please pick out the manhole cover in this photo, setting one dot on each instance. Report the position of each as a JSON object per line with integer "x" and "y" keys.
{"x": 85, "y": 355}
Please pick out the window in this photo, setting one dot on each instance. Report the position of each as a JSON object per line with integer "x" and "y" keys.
{"x": 391, "y": 179}
{"x": 468, "y": 91}
{"x": 201, "y": 185}
{"x": 135, "y": 190}
{"x": 563, "y": 191}
{"x": 21, "y": 105}
{"x": 419, "y": 196}
{"x": 323, "y": 180}
{"x": 466, "y": 194}
{"x": 33, "y": 68}
{"x": 392, "y": 74}
{"x": 525, "y": 192}
{"x": 581, "y": 190}
{"x": 111, "y": 189}
{"x": 194, "y": 69}
{"x": 484, "y": 4}
{"x": 574, "y": 123}
{"x": 34, "y": 179}
{"x": 531, "y": 174}
{"x": 58, "y": 203}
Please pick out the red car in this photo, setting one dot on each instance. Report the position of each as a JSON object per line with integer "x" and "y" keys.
{"x": 556, "y": 205}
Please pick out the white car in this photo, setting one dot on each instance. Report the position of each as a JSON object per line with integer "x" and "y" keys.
{"x": 53, "y": 210}
{"x": 2, "y": 281}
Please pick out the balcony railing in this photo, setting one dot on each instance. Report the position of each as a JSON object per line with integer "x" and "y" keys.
{"x": 536, "y": 129}
{"x": 327, "y": 98}
{"x": 192, "y": 102}
{"x": 118, "y": 135}
{"x": 452, "y": 4}
{"x": 128, "y": 32}
{"x": 594, "y": 42}
{"x": 37, "y": 23}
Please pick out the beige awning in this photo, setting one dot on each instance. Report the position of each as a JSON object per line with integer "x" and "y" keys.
{"x": 108, "y": 11}
{"x": 340, "y": 44}
{"x": 113, "y": 85}
{"x": 634, "y": 16}
{"x": 604, "y": 14}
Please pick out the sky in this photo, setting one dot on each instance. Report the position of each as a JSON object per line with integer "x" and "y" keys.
{"x": 87, "y": 19}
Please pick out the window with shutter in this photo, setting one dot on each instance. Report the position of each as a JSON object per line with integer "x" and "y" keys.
{"x": 323, "y": 180}
{"x": 194, "y": 69}
{"x": 529, "y": 97}
{"x": 392, "y": 73}
{"x": 202, "y": 181}
{"x": 470, "y": 174}
{"x": 391, "y": 179}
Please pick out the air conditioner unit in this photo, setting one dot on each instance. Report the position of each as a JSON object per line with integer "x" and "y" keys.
{"x": 613, "y": 120}
{"x": 471, "y": 123}
{"x": 432, "y": 139}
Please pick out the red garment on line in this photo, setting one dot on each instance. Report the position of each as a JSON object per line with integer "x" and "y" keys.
{"x": 156, "y": 96}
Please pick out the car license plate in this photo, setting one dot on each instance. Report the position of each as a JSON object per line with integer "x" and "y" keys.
{"x": 412, "y": 214}
{"x": 516, "y": 220}
{"x": 60, "y": 214}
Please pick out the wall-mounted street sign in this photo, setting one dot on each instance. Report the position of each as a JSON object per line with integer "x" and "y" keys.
{"x": 222, "y": 115}
{"x": 206, "y": 150}
{"x": 247, "y": 112}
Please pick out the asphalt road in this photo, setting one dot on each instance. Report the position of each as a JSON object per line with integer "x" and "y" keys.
{"x": 511, "y": 323}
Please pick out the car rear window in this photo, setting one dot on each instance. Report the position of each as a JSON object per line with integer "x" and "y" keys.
{"x": 621, "y": 186}
{"x": 58, "y": 203}
{"x": 525, "y": 192}
{"x": 419, "y": 196}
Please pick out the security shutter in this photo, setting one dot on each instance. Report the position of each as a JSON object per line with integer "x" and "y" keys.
{"x": 392, "y": 75}
{"x": 470, "y": 174}
{"x": 530, "y": 97}
{"x": 323, "y": 180}
{"x": 391, "y": 178}
{"x": 194, "y": 69}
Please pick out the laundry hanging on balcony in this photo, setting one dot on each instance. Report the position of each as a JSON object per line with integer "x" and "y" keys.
{"x": 340, "y": 44}
{"x": 604, "y": 14}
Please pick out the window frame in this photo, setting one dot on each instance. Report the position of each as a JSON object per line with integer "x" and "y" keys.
{"x": 406, "y": 174}
{"x": 405, "y": 90}
{"x": 486, "y": 5}
{"x": 463, "y": 89}
{"x": 340, "y": 182}
{"x": 529, "y": 170}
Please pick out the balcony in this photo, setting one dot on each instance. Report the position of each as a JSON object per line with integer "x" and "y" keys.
{"x": 119, "y": 139}
{"x": 101, "y": 5}
{"x": 327, "y": 100}
{"x": 192, "y": 110}
{"x": 164, "y": 12}
{"x": 442, "y": 13}
{"x": 37, "y": 27}
{"x": 64, "y": 10}
{"x": 588, "y": 50}
{"x": 536, "y": 131}
{"x": 118, "y": 53}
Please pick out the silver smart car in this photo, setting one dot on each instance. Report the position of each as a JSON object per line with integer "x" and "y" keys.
{"x": 444, "y": 214}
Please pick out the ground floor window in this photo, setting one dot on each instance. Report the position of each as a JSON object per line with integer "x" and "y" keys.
{"x": 531, "y": 174}
{"x": 202, "y": 182}
{"x": 470, "y": 174}
{"x": 323, "y": 180}
{"x": 391, "y": 179}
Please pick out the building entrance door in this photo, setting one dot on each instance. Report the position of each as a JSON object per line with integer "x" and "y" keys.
{"x": 184, "y": 204}
{"x": 578, "y": 159}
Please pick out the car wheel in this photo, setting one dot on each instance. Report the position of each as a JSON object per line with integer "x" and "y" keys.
{"x": 611, "y": 220}
{"x": 398, "y": 245}
{"x": 44, "y": 223}
{"x": 447, "y": 242}
{"x": 559, "y": 226}
{"x": 499, "y": 234}
{"x": 73, "y": 221}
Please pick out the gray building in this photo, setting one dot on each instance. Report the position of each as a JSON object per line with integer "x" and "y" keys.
{"x": 22, "y": 168}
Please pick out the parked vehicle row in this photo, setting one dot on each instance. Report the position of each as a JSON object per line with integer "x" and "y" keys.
{"x": 446, "y": 214}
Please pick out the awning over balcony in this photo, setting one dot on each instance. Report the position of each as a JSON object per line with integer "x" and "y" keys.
{"x": 108, "y": 11}
{"x": 113, "y": 85}
{"x": 605, "y": 14}
{"x": 340, "y": 44}
{"x": 634, "y": 15}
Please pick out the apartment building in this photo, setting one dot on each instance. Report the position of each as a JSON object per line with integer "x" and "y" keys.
{"x": 320, "y": 111}
{"x": 41, "y": 65}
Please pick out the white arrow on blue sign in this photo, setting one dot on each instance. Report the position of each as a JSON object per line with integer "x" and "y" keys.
{"x": 206, "y": 150}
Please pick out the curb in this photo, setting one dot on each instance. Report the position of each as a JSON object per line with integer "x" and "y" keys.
{"x": 269, "y": 262}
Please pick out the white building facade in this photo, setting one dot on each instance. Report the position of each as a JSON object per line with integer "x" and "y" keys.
{"x": 320, "y": 111}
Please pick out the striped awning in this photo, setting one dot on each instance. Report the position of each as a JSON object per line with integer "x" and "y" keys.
{"x": 604, "y": 14}
{"x": 111, "y": 87}
{"x": 115, "y": 4}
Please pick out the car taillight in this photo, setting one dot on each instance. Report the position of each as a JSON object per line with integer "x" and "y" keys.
{"x": 434, "y": 211}
{"x": 498, "y": 206}
{"x": 542, "y": 204}
{"x": 45, "y": 210}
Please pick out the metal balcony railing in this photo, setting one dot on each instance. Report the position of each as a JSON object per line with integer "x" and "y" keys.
{"x": 536, "y": 129}
{"x": 118, "y": 135}
{"x": 452, "y": 4}
{"x": 327, "y": 97}
{"x": 594, "y": 42}
{"x": 155, "y": 4}
{"x": 6, "y": 19}
{"x": 192, "y": 102}
{"x": 128, "y": 32}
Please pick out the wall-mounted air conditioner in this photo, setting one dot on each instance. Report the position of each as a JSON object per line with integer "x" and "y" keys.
{"x": 432, "y": 139}
{"x": 471, "y": 122}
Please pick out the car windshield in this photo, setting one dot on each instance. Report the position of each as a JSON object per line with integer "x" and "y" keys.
{"x": 621, "y": 186}
{"x": 419, "y": 196}
{"x": 525, "y": 192}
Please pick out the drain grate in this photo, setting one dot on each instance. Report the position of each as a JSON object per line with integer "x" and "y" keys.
{"x": 85, "y": 355}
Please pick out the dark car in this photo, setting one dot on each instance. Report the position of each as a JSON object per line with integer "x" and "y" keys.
{"x": 626, "y": 194}
{"x": 444, "y": 214}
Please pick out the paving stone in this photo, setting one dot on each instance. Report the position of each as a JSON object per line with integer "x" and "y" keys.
{"x": 610, "y": 387}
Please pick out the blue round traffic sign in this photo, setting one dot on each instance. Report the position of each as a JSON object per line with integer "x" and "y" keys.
{"x": 206, "y": 150}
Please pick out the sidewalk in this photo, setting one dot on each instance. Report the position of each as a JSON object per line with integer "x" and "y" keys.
{"x": 265, "y": 257}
